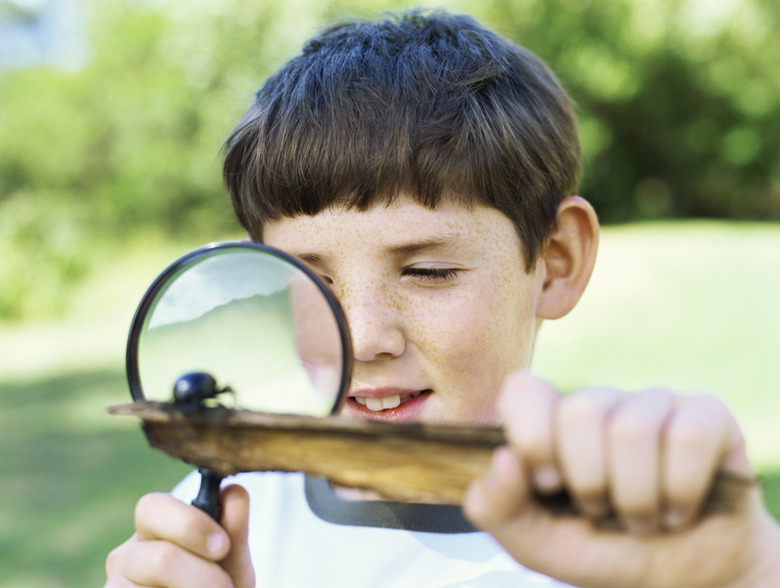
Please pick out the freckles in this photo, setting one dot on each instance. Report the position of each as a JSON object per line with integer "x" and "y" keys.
{"x": 461, "y": 343}
{"x": 422, "y": 327}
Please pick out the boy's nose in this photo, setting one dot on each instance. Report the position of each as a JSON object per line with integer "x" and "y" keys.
{"x": 374, "y": 325}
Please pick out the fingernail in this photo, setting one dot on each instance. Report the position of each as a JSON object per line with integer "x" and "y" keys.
{"x": 674, "y": 519}
{"x": 216, "y": 543}
{"x": 547, "y": 478}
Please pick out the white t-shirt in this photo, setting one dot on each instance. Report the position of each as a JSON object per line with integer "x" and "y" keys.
{"x": 302, "y": 534}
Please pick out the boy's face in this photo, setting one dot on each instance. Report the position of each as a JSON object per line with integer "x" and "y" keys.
{"x": 438, "y": 303}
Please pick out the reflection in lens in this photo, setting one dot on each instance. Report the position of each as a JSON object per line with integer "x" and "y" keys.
{"x": 314, "y": 331}
{"x": 252, "y": 320}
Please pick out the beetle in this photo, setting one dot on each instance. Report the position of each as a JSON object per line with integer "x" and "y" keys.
{"x": 190, "y": 390}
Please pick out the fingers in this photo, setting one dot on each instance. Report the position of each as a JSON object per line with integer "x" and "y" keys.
{"x": 531, "y": 404}
{"x": 177, "y": 545}
{"x": 500, "y": 494}
{"x": 649, "y": 456}
{"x": 702, "y": 437}
{"x": 163, "y": 517}
{"x": 582, "y": 447}
{"x": 235, "y": 521}
{"x": 161, "y": 563}
{"x": 635, "y": 448}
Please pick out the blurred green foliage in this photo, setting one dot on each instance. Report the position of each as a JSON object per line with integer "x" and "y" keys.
{"x": 676, "y": 97}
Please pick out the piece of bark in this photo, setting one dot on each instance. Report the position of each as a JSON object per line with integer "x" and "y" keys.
{"x": 407, "y": 462}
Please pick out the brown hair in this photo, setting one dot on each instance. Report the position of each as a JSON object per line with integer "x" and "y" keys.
{"x": 428, "y": 103}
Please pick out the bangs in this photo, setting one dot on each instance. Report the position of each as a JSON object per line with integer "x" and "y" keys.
{"x": 359, "y": 118}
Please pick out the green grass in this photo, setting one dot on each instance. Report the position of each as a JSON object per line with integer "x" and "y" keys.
{"x": 71, "y": 479}
{"x": 689, "y": 304}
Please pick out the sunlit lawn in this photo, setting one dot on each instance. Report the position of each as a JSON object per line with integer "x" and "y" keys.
{"x": 690, "y": 304}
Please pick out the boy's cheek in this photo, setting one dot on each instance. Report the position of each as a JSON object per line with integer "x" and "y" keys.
{"x": 483, "y": 334}
{"x": 480, "y": 358}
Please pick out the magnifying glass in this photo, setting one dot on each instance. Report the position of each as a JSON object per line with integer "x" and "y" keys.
{"x": 243, "y": 326}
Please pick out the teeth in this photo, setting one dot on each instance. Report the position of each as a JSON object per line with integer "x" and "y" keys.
{"x": 391, "y": 401}
{"x": 386, "y": 402}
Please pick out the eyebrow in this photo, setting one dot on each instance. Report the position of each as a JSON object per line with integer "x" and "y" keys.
{"x": 440, "y": 242}
{"x": 402, "y": 249}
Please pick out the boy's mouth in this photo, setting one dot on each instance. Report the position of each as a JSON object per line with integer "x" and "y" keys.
{"x": 396, "y": 405}
{"x": 386, "y": 402}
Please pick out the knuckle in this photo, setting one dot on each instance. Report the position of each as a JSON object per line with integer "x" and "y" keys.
{"x": 706, "y": 407}
{"x": 143, "y": 507}
{"x": 162, "y": 559}
{"x": 691, "y": 436}
{"x": 114, "y": 561}
{"x": 631, "y": 429}
{"x": 582, "y": 407}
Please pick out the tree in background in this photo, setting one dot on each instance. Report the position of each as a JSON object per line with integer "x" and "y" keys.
{"x": 676, "y": 98}
{"x": 679, "y": 116}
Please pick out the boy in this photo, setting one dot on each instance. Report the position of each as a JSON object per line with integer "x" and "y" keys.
{"x": 425, "y": 167}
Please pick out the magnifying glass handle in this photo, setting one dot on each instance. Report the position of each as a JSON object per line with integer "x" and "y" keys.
{"x": 207, "y": 499}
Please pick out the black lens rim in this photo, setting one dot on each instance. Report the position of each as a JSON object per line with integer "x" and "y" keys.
{"x": 162, "y": 281}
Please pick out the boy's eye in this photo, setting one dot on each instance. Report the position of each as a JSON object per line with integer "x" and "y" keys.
{"x": 431, "y": 273}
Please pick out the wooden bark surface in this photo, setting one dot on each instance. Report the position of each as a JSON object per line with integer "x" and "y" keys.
{"x": 409, "y": 462}
{"x": 406, "y": 462}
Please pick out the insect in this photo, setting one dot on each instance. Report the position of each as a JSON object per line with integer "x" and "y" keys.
{"x": 190, "y": 390}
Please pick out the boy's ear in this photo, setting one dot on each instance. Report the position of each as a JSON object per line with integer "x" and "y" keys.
{"x": 568, "y": 258}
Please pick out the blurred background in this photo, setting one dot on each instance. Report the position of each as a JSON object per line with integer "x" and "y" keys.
{"x": 112, "y": 116}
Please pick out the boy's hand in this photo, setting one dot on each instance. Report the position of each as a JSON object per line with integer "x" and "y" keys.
{"x": 650, "y": 456}
{"x": 177, "y": 545}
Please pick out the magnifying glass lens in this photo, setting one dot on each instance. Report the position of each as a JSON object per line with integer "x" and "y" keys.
{"x": 253, "y": 319}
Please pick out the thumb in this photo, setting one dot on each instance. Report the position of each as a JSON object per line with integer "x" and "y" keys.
{"x": 501, "y": 503}
{"x": 501, "y": 495}
{"x": 235, "y": 520}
